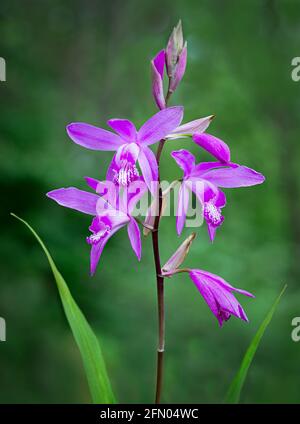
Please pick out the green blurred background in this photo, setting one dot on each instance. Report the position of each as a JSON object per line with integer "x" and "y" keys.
{"x": 89, "y": 61}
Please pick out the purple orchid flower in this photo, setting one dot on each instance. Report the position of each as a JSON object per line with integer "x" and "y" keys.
{"x": 130, "y": 145}
{"x": 218, "y": 294}
{"x": 204, "y": 179}
{"x": 109, "y": 216}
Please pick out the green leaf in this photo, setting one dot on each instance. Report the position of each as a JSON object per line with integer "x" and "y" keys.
{"x": 234, "y": 392}
{"x": 85, "y": 338}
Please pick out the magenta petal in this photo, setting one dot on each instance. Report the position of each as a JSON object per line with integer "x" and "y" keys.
{"x": 213, "y": 145}
{"x": 160, "y": 125}
{"x": 149, "y": 168}
{"x": 135, "y": 237}
{"x": 93, "y": 138}
{"x": 157, "y": 67}
{"x": 218, "y": 296}
{"x": 159, "y": 62}
{"x": 74, "y": 198}
{"x": 157, "y": 88}
{"x": 211, "y": 232}
{"x": 180, "y": 69}
{"x": 184, "y": 159}
{"x": 240, "y": 176}
{"x": 124, "y": 128}
{"x": 97, "y": 249}
{"x": 134, "y": 192}
{"x": 182, "y": 207}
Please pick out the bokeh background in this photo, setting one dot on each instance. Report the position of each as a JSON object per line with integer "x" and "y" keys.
{"x": 89, "y": 61}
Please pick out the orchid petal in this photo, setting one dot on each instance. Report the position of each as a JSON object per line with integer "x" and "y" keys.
{"x": 182, "y": 207}
{"x": 214, "y": 146}
{"x": 239, "y": 176}
{"x": 180, "y": 69}
{"x": 125, "y": 128}
{"x": 160, "y": 124}
{"x": 134, "y": 192}
{"x": 197, "y": 126}
{"x": 149, "y": 167}
{"x": 135, "y": 237}
{"x": 92, "y": 137}
{"x": 157, "y": 67}
{"x": 74, "y": 198}
{"x": 184, "y": 159}
{"x": 97, "y": 249}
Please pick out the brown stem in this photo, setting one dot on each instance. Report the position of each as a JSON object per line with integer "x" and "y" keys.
{"x": 159, "y": 280}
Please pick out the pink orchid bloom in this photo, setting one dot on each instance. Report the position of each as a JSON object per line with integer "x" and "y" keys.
{"x": 204, "y": 179}
{"x": 218, "y": 294}
{"x": 130, "y": 145}
{"x": 108, "y": 218}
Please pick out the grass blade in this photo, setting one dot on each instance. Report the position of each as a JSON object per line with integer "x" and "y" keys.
{"x": 84, "y": 336}
{"x": 234, "y": 392}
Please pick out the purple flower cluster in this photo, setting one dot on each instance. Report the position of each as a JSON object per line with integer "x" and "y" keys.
{"x": 135, "y": 165}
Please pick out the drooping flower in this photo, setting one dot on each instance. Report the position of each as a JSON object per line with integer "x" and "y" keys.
{"x": 204, "y": 179}
{"x": 217, "y": 293}
{"x": 108, "y": 217}
{"x": 130, "y": 145}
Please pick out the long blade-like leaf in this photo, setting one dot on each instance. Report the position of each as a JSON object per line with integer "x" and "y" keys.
{"x": 85, "y": 338}
{"x": 234, "y": 392}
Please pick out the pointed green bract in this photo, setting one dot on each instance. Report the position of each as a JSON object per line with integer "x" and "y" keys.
{"x": 234, "y": 392}
{"x": 85, "y": 338}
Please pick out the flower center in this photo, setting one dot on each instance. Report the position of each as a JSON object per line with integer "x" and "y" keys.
{"x": 96, "y": 237}
{"x": 126, "y": 174}
{"x": 213, "y": 214}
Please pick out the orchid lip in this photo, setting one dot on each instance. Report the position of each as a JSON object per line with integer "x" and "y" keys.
{"x": 126, "y": 174}
{"x": 97, "y": 236}
{"x": 213, "y": 214}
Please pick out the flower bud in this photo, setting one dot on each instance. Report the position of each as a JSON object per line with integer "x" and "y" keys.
{"x": 176, "y": 57}
{"x": 178, "y": 257}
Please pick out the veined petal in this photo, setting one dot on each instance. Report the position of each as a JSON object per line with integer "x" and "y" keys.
{"x": 225, "y": 284}
{"x": 205, "y": 292}
{"x": 197, "y": 126}
{"x": 213, "y": 145}
{"x": 74, "y": 198}
{"x": 184, "y": 159}
{"x": 133, "y": 193}
{"x": 239, "y": 176}
{"x": 135, "y": 237}
{"x": 125, "y": 128}
{"x": 180, "y": 69}
{"x": 157, "y": 88}
{"x": 97, "y": 249}
{"x": 202, "y": 167}
{"x": 92, "y": 137}
{"x": 159, "y": 62}
{"x": 182, "y": 207}
{"x": 160, "y": 124}
{"x": 149, "y": 167}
